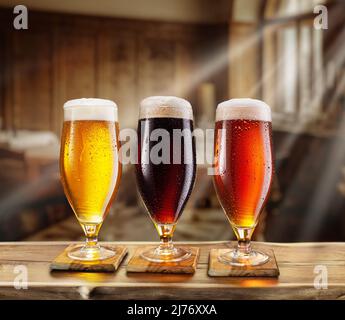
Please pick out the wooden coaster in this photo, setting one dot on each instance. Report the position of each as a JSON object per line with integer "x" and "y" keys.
{"x": 219, "y": 269}
{"x": 63, "y": 263}
{"x": 138, "y": 264}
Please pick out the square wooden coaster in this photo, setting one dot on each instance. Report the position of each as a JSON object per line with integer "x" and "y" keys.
{"x": 63, "y": 263}
{"x": 138, "y": 264}
{"x": 219, "y": 269}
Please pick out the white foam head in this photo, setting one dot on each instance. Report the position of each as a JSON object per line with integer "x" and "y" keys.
{"x": 165, "y": 107}
{"x": 246, "y": 109}
{"x": 90, "y": 109}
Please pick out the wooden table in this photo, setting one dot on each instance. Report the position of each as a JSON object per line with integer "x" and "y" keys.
{"x": 296, "y": 281}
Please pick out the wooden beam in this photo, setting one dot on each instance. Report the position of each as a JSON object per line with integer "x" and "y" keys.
{"x": 296, "y": 262}
{"x": 288, "y": 19}
{"x": 260, "y": 59}
{"x": 298, "y": 17}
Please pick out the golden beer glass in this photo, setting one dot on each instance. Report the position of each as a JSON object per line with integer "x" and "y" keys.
{"x": 90, "y": 168}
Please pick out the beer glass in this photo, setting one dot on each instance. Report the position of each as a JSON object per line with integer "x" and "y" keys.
{"x": 166, "y": 168}
{"x": 90, "y": 168}
{"x": 243, "y": 171}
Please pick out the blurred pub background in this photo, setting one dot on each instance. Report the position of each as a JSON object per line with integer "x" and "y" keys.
{"x": 203, "y": 50}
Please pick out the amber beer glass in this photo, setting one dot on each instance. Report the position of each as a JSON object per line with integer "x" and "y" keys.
{"x": 243, "y": 171}
{"x": 166, "y": 168}
{"x": 90, "y": 168}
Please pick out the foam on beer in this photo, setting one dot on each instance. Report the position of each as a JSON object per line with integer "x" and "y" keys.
{"x": 243, "y": 109}
{"x": 165, "y": 107}
{"x": 90, "y": 109}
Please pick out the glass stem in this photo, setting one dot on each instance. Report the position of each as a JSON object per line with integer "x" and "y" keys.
{"x": 91, "y": 233}
{"x": 166, "y": 243}
{"x": 92, "y": 242}
{"x": 165, "y": 232}
{"x": 244, "y": 247}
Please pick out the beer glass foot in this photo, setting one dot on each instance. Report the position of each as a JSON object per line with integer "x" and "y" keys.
{"x": 238, "y": 259}
{"x": 87, "y": 253}
{"x": 160, "y": 255}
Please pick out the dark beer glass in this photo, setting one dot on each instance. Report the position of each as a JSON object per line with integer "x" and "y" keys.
{"x": 243, "y": 171}
{"x": 166, "y": 168}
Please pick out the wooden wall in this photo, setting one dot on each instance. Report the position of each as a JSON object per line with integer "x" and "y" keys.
{"x": 244, "y": 74}
{"x": 61, "y": 57}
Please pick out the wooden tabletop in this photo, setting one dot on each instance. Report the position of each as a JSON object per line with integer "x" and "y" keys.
{"x": 296, "y": 261}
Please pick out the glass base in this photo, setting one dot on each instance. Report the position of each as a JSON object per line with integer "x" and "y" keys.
{"x": 160, "y": 255}
{"x": 87, "y": 253}
{"x": 234, "y": 258}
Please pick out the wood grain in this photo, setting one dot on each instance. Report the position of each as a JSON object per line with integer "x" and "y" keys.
{"x": 32, "y": 80}
{"x": 296, "y": 281}
{"x": 218, "y": 269}
{"x": 138, "y": 264}
{"x": 63, "y": 263}
{"x": 66, "y": 56}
